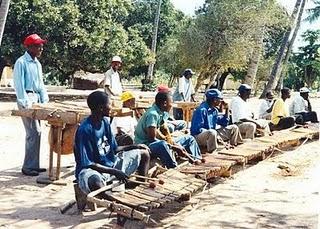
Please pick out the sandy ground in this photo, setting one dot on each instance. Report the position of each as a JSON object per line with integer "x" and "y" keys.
{"x": 262, "y": 196}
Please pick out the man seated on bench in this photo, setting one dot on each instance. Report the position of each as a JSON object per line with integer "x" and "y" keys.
{"x": 123, "y": 127}
{"x": 266, "y": 106}
{"x": 98, "y": 158}
{"x": 301, "y": 106}
{"x": 173, "y": 124}
{"x": 243, "y": 117}
{"x": 206, "y": 118}
{"x": 147, "y": 132}
{"x": 280, "y": 117}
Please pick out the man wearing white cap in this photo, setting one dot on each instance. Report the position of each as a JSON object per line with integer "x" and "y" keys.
{"x": 112, "y": 83}
{"x": 243, "y": 117}
{"x": 301, "y": 106}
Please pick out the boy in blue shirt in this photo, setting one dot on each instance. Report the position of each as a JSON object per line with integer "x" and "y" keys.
{"x": 97, "y": 155}
{"x": 206, "y": 118}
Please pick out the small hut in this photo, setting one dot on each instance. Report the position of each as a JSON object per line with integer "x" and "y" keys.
{"x": 87, "y": 80}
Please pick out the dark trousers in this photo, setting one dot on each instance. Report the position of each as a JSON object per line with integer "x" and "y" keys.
{"x": 309, "y": 116}
{"x": 285, "y": 123}
{"x": 177, "y": 113}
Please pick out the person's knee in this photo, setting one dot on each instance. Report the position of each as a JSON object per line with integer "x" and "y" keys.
{"x": 95, "y": 182}
{"x": 212, "y": 134}
{"x": 234, "y": 128}
{"x": 145, "y": 155}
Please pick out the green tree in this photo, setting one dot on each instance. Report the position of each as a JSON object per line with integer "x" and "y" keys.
{"x": 304, "y": 66}
{"x": 224, "y": 35}
{"x": 314, "y": 13}
{"x": 82, "y": 35}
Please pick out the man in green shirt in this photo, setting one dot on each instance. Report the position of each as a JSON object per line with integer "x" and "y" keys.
{"x": 147, "y": 133}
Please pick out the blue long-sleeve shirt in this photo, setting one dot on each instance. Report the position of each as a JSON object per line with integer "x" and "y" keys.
{"x": 205, "y": 118}
{"x": 27, "y": 76}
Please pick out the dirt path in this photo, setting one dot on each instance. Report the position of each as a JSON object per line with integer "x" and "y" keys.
{"x": 262, "y": 196}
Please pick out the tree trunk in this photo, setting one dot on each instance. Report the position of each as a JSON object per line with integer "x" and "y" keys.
{"x": 253, "y": 67}
{"x": 288, "y": 53}
{"x": 205, "y": 74}
{"x": 213, "y": 79}
{"x": 222, "y": 79}
{"x": 4, "y": 8}
{"x": 284, "y": 44}
{"x": 154, "y": 41}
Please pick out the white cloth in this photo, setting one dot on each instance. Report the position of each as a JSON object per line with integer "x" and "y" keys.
{"x": 127, "y": 124}
{"x": 298, "y": 105}
{"x": 185, "y": 87}
{"x": 240, "y": 109}
{"x": 112, "y": 79}
{"x": 264, "y": 106}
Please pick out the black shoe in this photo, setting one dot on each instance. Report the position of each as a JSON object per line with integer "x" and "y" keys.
{"x": 40, "y": 170}
{"x": 29, "y": 172}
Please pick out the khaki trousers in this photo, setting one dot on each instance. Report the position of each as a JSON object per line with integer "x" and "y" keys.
{"x": 209, "y": 138}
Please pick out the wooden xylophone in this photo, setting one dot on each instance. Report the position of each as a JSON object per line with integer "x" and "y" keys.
{"x": 226, "y": 162}
{"x": 136, "y": 203}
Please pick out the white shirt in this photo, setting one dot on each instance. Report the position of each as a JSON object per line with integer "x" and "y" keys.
{"x": 112, "y": 79}
{"x": 264, "y": 106}
{"x": 240, "y": 109}
{"x": 127, "y": 124}
{"x": 298, "y": 105}
{"x": 186, "y": 88}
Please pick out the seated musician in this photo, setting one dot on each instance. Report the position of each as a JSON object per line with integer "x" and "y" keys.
{"x": 123, "y": 127}
{"x": 280, "y": 117}
{"x": 147, "y": 133}
{"x": 243, "y": 117}
{"x": 173, "y": 124}
{"x": 266, "y": 106}
{"x": 301, "y": 106}
{"x": 97, "y": 155}
{"x": 205, "y": 119}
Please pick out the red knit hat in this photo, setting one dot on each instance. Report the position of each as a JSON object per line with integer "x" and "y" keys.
{"x": 163, "y": 88}
{"x": 33, "y": 39}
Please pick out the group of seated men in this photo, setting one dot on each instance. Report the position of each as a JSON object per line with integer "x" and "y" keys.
{"x": 105, "y": 151}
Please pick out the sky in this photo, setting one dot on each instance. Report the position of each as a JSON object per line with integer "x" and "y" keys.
{"x": 189, "y": 6}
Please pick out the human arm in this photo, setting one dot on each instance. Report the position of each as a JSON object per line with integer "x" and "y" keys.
{"x": 198, "y": 121}
{"x": 270, "y": 109}
{"x": 131, "y": 147}
{"x": 44, "y": 98}
{"x": 107, "y": 83}
{"x": 193, "y": 98}
{"x": 19, "y": 85}
{"x": 112, "y": 171}
{"x": 181, "y": 87}
{"x": 108, "y": 90}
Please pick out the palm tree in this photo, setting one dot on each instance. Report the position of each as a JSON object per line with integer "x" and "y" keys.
{"x": 276, "y": 67}
{"x": 314, "y": 13}
{"x": 290, "y": 45}
{"x": 4, "y": 7}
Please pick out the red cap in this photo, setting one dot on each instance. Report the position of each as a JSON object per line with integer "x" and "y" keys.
{"x": 33, "y": 39}
{"x": 163, "y": 88}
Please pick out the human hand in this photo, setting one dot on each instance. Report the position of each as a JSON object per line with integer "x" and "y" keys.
{"x": 121, "y": 176}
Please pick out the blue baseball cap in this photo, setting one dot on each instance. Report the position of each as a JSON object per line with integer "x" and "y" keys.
{"x": 214, "y": 94}
{"x": 244, "y": 87}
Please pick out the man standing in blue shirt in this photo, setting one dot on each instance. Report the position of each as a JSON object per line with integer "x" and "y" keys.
{"x": 30, "y": 89}
{"x": 147, "y": 132}
{"x": 205, "y": 119}
{"x": 97, "y": 155}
